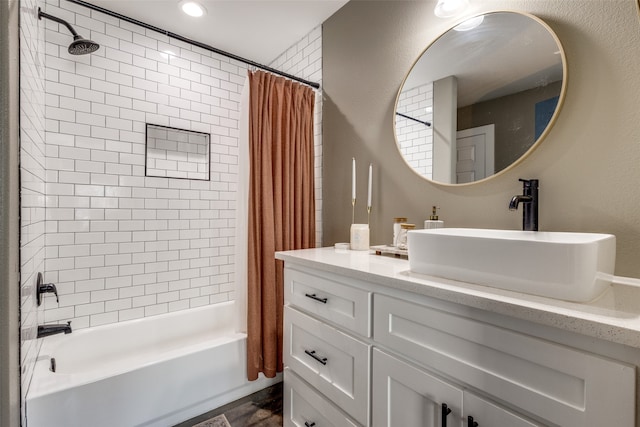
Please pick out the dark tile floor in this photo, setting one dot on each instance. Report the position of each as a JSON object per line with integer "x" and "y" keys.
{"x": 261, "y": 409}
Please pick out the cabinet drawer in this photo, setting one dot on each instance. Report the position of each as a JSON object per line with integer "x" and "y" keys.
{"x": 305, "y": 407}
{"x": 339, "y": 303}
{"x": 333, "y": 362}
{"x": 565, "y": 386}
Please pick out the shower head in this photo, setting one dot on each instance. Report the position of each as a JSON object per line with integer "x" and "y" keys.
{"x": 80, "y": 45}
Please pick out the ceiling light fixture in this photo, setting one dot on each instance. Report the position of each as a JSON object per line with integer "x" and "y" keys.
{"x": 450, "y": 8}
{"x": 192, "y": 8}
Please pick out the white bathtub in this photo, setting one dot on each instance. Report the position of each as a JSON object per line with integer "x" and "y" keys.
{"x": 156, "y": 371}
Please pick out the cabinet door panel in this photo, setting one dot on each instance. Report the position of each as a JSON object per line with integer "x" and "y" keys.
{"x": 343, "y": 305}
{"x": 404, "y": 395}
{"x": 303, "y": 405}
{"x": 333, "y": 362}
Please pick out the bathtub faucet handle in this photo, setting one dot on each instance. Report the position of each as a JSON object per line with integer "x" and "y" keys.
{"x": 43, "y": 288}
{"x": 50, "y": 288}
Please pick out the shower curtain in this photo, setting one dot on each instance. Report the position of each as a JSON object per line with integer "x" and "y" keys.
{"x": 281, "y": 206}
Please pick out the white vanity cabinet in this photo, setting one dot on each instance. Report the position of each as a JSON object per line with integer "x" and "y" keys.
{"x": 359, "y": 353}
{"x": 562, "y": 385}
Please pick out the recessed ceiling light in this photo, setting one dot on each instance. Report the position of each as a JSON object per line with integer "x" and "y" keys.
{"x": 192, "y": 8}
{"x": 449, "y": 8}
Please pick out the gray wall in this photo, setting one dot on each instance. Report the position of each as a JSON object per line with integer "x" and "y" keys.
{"x": 514, "y": 119}
{"x": 588, "y": 166}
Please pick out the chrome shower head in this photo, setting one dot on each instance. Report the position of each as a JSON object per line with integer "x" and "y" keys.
{"x": 80, "y": 45}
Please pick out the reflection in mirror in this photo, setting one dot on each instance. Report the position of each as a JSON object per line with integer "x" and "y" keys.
{"x": 177, "y": 153}
{"x": 480, "y": 97}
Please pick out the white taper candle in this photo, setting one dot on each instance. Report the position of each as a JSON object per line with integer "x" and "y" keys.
{"x": 369, "y": 193}
{"x": 353, "y": 180}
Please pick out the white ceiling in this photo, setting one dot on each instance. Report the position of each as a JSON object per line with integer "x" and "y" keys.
{"x": 258, "y": 30}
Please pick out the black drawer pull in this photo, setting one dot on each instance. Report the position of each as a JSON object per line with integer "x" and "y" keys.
{"x": 445, "y": 411}
{"x": 470, "y": 422}
{"x": 313, "y": 354}
{"x": 309, "y": 425}
{"x": 313, "y": 296}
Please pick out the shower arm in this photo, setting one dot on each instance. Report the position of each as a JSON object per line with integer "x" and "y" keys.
{"x": 42, "y": 14}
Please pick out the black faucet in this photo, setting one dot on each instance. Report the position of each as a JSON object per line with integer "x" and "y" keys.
{"x": 46, "y": 330}
{"x": 529, "y": 198}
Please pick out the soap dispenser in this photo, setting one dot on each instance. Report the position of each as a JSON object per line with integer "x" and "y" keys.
{"x": 433, "y": 221}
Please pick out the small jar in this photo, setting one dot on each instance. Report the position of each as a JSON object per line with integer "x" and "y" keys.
{"x": 402, "y": 238}
{"x": 396, "y": 230}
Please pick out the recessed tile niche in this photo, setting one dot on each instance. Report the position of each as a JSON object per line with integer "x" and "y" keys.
{"x": 177, "y": 153}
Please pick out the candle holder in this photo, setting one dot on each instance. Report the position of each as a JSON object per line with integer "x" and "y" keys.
{"x": 359, "y": 237}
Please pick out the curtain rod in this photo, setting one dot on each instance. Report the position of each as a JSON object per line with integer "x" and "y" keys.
{"x": 428, "y": 124}
{"x": 194, "y": 42}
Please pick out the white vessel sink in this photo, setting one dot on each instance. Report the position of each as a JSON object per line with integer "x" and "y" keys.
{"x": 568, "y": 266}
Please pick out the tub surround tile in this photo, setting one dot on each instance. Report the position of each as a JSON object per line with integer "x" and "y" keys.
{"x": 614, "y": 316}
{"x": 96, "y": 112}
{"x": 110, "y": 232}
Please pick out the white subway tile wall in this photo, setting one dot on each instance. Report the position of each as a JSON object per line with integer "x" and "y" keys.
{"x": 415, "y": 139}
{"x": 32, "y": 192}
{"x": 120, "y": 245}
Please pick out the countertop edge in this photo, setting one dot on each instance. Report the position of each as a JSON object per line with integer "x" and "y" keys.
{"x": 559, "y": 314}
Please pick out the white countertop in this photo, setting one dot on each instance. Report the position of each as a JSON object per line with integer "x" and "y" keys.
{"x": 613, "y": 316}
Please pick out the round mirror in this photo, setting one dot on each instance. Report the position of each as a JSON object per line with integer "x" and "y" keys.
{"x": 480, "y": 97}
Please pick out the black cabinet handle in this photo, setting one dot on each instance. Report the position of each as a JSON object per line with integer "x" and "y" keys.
{"x": 314, "y": 297}
{"x": 309, "y": 425}
{"x": 313, "y": 354}
{"x": 471, "y": 422}
{"x": 445, "y": 411}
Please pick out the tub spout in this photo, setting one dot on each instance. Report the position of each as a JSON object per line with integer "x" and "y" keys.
{"x": 46, "y": 330}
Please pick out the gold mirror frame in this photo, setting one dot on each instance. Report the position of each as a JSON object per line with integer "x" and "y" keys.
{"x": 542, "y": 136}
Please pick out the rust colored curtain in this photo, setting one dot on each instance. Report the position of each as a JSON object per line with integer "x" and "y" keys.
{"x": 281, "y": 206}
